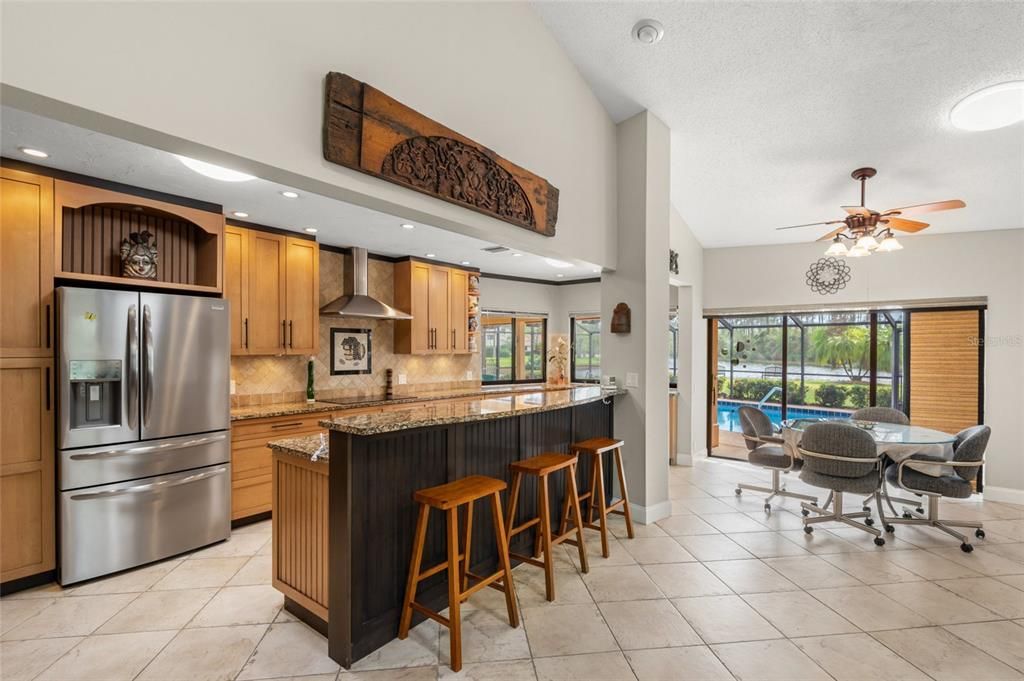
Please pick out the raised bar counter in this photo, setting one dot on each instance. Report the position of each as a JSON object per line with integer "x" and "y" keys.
{"x": 376, "y": 462}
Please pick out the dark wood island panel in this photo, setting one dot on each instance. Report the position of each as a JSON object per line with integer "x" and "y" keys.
{"x": 372, "y": 514}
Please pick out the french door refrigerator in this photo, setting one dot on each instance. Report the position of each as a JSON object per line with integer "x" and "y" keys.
{"x": 143, "y": 417}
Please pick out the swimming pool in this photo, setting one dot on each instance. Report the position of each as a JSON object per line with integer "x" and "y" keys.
{"x": 728, "y": 418}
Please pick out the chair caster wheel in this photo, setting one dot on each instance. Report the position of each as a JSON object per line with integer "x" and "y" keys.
{"x": 804, "y": 512}
{"x": 879, "y": 541}
{"x": 869, "y": 521}
{"x": 920, "y": 510}
{"x": 906, "y": 515}
{"x": 768, "y": 508}
{"x": 808, "y": 529}
{"x": 980, "y": 534}
{"x": 866, "y": 509}
{"x": 738, "y": 491}
{"x": 966, "y": 548}
{"x": 890, "y": 529}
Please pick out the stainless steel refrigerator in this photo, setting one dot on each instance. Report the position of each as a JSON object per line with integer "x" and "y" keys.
{"x": 143, "y": 416}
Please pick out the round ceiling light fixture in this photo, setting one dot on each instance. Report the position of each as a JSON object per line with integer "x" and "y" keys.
{"x": 408, "y": 225}
{"x": 240, "y": 214}
{"x": 311, "y": 230}
{"x": 648, "y": 31}
{"x": 290, "y": 194}
{"x": 990, "y": 108}
{"x": 35, "y": 153}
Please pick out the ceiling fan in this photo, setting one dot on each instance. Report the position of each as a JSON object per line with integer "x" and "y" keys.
{"x": 864, "y": 227}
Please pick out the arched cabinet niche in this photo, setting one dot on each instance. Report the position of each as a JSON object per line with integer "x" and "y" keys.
{"x": 92, "y": 222}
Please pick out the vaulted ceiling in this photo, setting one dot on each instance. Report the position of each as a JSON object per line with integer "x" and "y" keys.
{"x": 772, "y": 104}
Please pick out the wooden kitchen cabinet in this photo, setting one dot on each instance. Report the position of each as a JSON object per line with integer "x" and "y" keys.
{"x": 27, "y": 518}
{"x": 437, "y": 297}
{"x": 273, "y": 283}
{"x": 26, "y": 264}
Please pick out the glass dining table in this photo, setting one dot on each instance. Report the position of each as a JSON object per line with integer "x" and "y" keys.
{"x": 895, "y": 440}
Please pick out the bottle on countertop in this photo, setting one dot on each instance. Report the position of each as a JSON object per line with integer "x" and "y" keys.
{"x": 389, "y": 391}
{"x": 310, "y": 393}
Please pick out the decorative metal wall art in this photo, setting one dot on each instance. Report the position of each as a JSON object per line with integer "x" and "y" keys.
{"x": 673, "y": 261}
{"x": 828, "y": 276}
{"x": 139, "y": 257}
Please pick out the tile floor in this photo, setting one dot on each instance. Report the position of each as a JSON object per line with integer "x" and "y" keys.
{"x": 717, "y": 591}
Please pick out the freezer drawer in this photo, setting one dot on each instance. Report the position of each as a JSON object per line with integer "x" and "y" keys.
{"x": 113, "y": 527}
{"x": 133, "y": 460}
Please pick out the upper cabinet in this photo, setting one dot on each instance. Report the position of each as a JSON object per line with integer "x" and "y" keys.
{"x": 437, "y": 297}
{"x": 273, "y": 283}
{"x": 91, "y": 224}
{"x": 26, "y": 264}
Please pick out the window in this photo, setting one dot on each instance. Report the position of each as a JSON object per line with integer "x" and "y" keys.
{"x": 514, "y": 348}
{"x": 586, "y": 349}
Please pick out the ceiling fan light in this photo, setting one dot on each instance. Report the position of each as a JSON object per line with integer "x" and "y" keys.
{"x": 858, "y": 251}
{"x": 837, "y": 248}
{"x": 889, "y": 244}
{"x": 867, "y": 242}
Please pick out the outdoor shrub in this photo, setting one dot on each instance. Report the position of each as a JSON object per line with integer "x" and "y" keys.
{"x": 883, "y": 398}
{"x": 831, "y": 396}
{"x": 794, "y": 393}
{"x": 858, "y": 396}
{"x": 754, "y": 389}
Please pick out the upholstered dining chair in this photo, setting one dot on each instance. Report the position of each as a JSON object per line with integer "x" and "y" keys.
{"x": 841, "y": 458}
{"x": 968, "y": 456}
{"x": 766, "y": 451}
{"x": 884, "y": 415}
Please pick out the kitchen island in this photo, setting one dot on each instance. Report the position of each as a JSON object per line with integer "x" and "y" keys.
{"x": 376, "y": 462}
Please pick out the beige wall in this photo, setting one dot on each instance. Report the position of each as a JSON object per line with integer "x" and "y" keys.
{"x": 283, "y": 379}
{"x": 242, "y": 85}
{"x": 988, "y": 264}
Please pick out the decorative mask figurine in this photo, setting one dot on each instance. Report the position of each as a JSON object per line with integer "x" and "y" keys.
{"x": 138, "y": 256}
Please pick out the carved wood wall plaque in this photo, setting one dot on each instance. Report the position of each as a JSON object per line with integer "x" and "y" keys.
{"x": 368, "y": 131}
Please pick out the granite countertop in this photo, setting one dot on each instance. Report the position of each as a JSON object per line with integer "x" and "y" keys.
{"x": 296, "y": 408}
{"x": 461, "y": 411}
{"x": 306, "y": 447}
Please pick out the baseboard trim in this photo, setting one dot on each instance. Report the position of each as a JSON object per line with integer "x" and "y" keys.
{"x": 683, "y": 460}
{"x": 646, "y": 515}
{"x": 1006, "y": 495}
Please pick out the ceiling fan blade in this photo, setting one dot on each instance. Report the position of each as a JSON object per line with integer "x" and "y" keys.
{"x": 926, "y": 208}
{"x": 856, "y": 210}
{"x": 904, "y": 225}
{"x": 812, "y": 224}
{"x": 832, "y": 234}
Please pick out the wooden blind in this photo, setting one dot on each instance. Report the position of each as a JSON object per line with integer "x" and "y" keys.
{"x": 945, "y": 366}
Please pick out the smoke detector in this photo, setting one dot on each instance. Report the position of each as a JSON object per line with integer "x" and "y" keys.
{"x": 648, "y": 31}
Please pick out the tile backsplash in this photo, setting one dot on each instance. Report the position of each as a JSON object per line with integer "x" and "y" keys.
{"x": 270, "y": 379}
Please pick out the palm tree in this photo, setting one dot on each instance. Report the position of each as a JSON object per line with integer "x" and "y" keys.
{"x": 848, "y": 347}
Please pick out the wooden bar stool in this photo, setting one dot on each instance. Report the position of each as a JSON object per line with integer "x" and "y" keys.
{"x": 543, "y": 465}
{"x": 596, "y": 498}
{"x": 449, "y": 498}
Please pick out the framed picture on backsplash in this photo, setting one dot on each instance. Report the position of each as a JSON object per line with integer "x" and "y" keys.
{"x": 351, "y": 352}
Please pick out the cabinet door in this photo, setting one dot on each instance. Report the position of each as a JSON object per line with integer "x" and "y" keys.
{"x": 26, "y": 264}
{"x": 422, "y": 340}
{"x": 27, "y": 533}
{"x": 266, "y": 289}
{"x": 459, "y": 311}
{"x": 438, "y": 312}
{"x": 236, "y": 285}
{"x": 302, "y": 296}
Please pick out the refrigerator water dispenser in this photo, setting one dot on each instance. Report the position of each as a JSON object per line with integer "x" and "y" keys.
{"x": 95, "y": 393}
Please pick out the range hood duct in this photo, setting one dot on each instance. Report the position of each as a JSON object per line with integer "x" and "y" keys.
{"x": 355, "y": 301}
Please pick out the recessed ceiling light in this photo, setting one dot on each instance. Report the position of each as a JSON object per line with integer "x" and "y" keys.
{"x": 29, "y": 151}
{"x": 216, "y": 172}
{"x": 559, "y": 275}
{"x": 311, "y": 230}
{"x": 993, "y": 107}
{"x": 240, "y": 214}
{"x": 464, "y": 262}
{"x": 517, "y": 255}
{"x": 648, "y": 31}
{"x": 408, "y": 226}
{"x": 560, "y": 264}
{"x": 597, "y": 270}
{"x": 290, "y": 195}
{"x": 431, "y": 255}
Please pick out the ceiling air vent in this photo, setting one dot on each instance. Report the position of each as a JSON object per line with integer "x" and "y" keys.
{"x": 495, "y": 249}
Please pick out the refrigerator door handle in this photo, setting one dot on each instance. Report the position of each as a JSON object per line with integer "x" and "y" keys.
{"x": 139, "y": 489}
{"x": 147, "y": 377}
{"x": 148, "y": 449}
{"x": 133, "y": 367}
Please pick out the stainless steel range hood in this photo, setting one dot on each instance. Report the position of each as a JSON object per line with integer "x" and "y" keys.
{"x": 355, "y": 301}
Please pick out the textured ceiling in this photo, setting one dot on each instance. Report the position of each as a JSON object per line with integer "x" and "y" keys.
{"x": 771, "y": 105}
{"x": 340, "y": 224}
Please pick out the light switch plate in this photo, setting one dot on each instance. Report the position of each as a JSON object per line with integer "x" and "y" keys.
{"x": 469, "y": 375}
{"x": 401, "y": 379}
{"x": 632, "y": 379}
